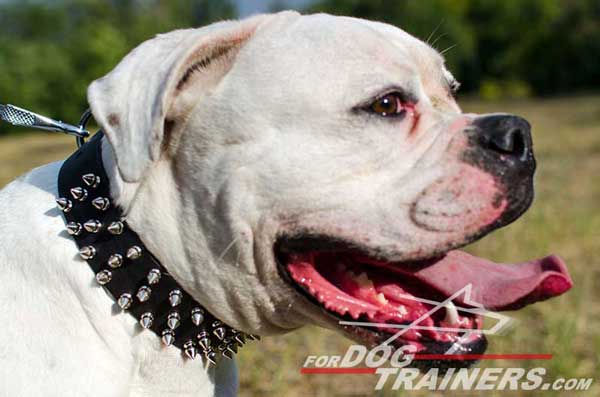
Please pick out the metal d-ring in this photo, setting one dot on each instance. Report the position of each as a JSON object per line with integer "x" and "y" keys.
{"x": 83, "y": 121}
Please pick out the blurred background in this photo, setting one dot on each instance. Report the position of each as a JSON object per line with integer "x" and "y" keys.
{"x": 536, "y": 58}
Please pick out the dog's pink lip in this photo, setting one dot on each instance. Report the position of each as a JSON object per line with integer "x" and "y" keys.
{"x": 333, "y": 280}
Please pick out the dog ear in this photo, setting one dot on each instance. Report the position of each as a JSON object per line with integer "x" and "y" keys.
{"x": 137, "y": 103}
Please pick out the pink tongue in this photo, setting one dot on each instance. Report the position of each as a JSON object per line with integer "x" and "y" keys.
{"x": 497, "y": 286}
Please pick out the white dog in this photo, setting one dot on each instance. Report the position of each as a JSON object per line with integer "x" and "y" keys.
{"x": 286, "y": 170}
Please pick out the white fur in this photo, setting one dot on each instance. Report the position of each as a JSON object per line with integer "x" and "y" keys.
{"x": 264, "y": 143}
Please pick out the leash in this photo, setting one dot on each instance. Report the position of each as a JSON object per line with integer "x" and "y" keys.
{"x": 123, "y": 266}
{"x": 25, "y": 118}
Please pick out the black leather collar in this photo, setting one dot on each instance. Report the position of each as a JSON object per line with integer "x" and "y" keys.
{"x": 126, "y": 269}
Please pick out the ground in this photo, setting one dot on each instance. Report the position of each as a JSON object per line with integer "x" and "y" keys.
{"x": 564, "y": 219}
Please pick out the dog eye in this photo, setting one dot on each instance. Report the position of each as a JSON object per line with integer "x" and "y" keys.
{"x": 389, "y": 105}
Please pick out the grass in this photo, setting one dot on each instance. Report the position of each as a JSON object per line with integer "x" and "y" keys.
{"x": 564, "y": 219}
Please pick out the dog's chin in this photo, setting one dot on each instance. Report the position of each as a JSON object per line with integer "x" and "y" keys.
{"x": 420, "y": 302}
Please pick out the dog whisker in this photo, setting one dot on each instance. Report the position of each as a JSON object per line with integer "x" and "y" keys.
{"x": 448, "y": 49}
{"x": 434, "y": 31}
{"x": 437, "y": 39}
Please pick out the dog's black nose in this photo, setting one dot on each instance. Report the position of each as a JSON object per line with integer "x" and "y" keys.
{"x": 505, "y": 134}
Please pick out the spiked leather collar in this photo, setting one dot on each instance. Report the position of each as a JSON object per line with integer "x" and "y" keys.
{"x": 130, "y": 274}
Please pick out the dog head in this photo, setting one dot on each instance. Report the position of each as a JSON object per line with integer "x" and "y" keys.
{"x": 289, "y": 169}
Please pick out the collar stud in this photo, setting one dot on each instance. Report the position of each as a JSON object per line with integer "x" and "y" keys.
{"x": 74, "y": 228}
{"x": 64, "y": 204}
{"x": 101, "y": 203}
{"x": 125, "y": 301}
{"x": 134, "y": 253}
{"x": 87, "y": 252}
{"x": 175, "y": 297}
{"x": 103, "y": 277}
{"x": 146, "y": 320}
{"x": 79, "y": 193}
{"x": 143, "y": 293}
{"x": 91, "y": 180}
{"x": 115, "y": 228}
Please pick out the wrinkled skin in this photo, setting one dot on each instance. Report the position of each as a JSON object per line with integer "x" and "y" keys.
{"x": 270, "y": 140}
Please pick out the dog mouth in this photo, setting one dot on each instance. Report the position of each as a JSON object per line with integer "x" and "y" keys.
{"x": 435, "y": 303}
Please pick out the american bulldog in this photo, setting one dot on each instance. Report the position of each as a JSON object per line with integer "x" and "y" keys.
{"x": 285, "y": 169}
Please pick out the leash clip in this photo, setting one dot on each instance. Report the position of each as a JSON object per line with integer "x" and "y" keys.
{"x": 25, "y": 118}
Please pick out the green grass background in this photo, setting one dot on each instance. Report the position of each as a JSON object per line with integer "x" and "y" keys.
{"x": 564, "y": 219}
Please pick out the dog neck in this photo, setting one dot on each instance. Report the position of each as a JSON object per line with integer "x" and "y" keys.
{"x": 125, "y": 267}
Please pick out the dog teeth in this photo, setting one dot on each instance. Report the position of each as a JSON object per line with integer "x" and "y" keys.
{"x": 451, "y": 314}
{"x": 363, "y": 280}
{"x": 381, "y": 299}
{"x": 402, "y": 310}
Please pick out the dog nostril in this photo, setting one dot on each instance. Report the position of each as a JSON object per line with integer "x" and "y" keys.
{"x": 506, "y": 135}
{"x": 509, "y": 142}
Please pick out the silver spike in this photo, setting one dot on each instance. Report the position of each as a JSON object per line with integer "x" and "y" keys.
{"x": 153, "y": 276}
{"x": 91, "y": 180}
{"x": 125, "y": 301}
{"x": 64, "y": 204}
{"x": 232, "y": 347}
{"x": 103, "y": 277}
{"x": 79, "y": 193}
{"x": 190, "y": 349}
{"x": 101, "y": 203}
{"x": 253, "y": 336}
{"x": 143, "y": 293}
{"x": 173, "y": 320}
{"x": 74, "y": 228}
{"x": 168, "y": 337}
{"x": 134, "y": 252}
{"x": 227, "y": 354}
{"x": 146, "y": 320}
{"x": 219, "y": 332}
{"x": 239, "y": 338}
{"x": 92, "y": 226}
{"x": 87, "y": 252}
{"x": 115, "y": 227}
{"x": 203, "y": 340}
{"x": 210, "y": 356}
{"x": 197, "y": 315}
{"x": 175, "y": 297}
{"x": 115, "y": 260}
